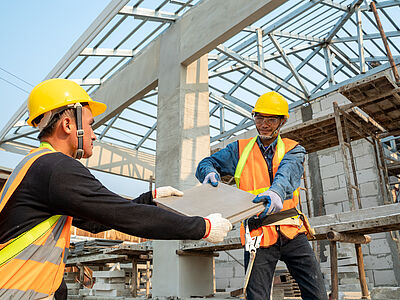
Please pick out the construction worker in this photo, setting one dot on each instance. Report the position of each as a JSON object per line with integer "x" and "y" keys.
{"x": 270, "y": 168}
{"x": 49, "y": 191}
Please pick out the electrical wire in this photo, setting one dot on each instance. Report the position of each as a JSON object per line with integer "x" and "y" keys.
{"x": 16, "y": 77}
{"x": 14, "y": 85}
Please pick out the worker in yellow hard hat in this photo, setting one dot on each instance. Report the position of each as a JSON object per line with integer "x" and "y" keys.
{"x": 49, "y": 191}
{"x": 270, "y": 167}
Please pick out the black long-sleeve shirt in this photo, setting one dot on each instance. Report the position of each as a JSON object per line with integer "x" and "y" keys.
{"x": 56, "y": 184}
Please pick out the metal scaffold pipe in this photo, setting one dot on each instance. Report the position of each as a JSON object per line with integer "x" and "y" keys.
{"x": 385, "y": 42}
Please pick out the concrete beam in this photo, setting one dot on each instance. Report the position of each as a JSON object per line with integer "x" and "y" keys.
{"x": 208, "y": 20}
{"x": 131, "y": 83}
{"x": 107, "y": 158}
{"x": 214, "y": 22}
{"x": 121, "y": 161}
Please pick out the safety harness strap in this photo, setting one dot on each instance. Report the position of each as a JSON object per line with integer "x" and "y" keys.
{"x": 255, "y": 222}
{"x": 79, "y": 131}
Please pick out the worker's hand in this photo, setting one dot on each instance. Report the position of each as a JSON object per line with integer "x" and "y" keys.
{"x": 272, "y": 202}
{"x": 219, "y": 228}
{"x": 166, "y": 191}
{"x": 212, "y": 178}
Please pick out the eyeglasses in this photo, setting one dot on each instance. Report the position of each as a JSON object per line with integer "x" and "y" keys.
{"x": 269, "y": 120}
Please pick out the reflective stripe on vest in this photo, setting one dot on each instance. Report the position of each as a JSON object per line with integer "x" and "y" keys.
{"x": 32, "y": 264}
{"x": 280, "y": 149}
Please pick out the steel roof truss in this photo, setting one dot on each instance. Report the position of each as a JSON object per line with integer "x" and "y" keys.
{"x": 148, "y": 14}
{"x": 146, "y": 136}
{"x": 262, "y": 72}
{"x": 290, "y": 65}
{"x": 346, "y": 16}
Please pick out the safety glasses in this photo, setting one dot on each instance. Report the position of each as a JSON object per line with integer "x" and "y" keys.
{"x": 270, "y": 120}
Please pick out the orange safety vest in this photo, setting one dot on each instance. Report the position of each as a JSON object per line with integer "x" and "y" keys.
{"x": 32, "y": 264}
{"x": 254, "y": 178}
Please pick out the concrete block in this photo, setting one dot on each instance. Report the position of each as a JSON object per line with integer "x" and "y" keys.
{"x": 367, "y": 175}
{"x": 379, "y": 246}
{"x": 238, "y": 271}
{"x": 108, "y": 286}
{"x": 224, "y": 272}
{"x": 346, "y": 204}
{"x": 385, "y": 293}
{"x": 370, "y": 201}
{"x": 333, "y": 208}
{"x": 75, "y": 285}
{"x": 331, "y": 183}
{"x": 112, "y": 293}
{"x": 332, "y": 170}
{"x": 349, "y": 261}
{"x": 345, "y": 251}
{"x": 221, "y": 283}
{"x": 236, "y": 283}
{"x": 223, "y": 257}
{"x": 109, "y": 274}
{"x": 342, "y": 181}
{"x": 384, "y": 278}
{"x": 379, "y": 262}
{"x": 110, "y": 280}
{"x": 316, "y": 107}
{"x": 353, "y": 280}
{"x": 364, "y": 162}
{"x": 335, "y": 196}
{"x": 361, "y": 148}
{"x": 368, "y": 189}
{"x": 86, "y": 292}
{"x": 348, "y": 269}
{"x": 380, "y": 235}
{"x": 327, "y": 159}
{"x": 351, "y": 288}
{"x": 338, "y": 154}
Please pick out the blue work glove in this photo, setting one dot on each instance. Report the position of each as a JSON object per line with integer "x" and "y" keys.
{"x": 272, "y": 202}
{"x": 212, "y": 178}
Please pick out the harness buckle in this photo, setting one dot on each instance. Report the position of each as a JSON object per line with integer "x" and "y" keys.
{"x": 251, "y": 243}
{"x": 79, "y": 133}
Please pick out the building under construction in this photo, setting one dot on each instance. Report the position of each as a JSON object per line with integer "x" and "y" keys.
{"x": 180, "y": 79}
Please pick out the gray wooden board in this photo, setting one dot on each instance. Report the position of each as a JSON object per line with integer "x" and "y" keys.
{"x": 370, "y": 220}
{"x": 234, "y": 204}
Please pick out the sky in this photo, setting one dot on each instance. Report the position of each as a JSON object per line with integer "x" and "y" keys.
{"x": 34, "y": 36}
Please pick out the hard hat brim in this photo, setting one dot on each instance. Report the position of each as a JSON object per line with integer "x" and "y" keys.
{"x": 97, "y": 108}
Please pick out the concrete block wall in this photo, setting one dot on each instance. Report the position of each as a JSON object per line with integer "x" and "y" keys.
{"x": 229, "y": 270}
{"x": 380, "y": 256}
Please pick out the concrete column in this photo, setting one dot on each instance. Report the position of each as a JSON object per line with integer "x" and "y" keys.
{"x": 183, "y": 139}
{"x": 183, "y": 136}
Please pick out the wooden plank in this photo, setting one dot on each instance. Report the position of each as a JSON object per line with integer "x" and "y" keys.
{"x": 234, "y": 204}
{"x": 370, "y": 220}
{"x": 96, "y": 259}
{"x": 378, "y": 97}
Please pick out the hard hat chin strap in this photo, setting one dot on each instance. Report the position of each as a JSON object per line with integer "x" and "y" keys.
{"x": 79, "y": 131}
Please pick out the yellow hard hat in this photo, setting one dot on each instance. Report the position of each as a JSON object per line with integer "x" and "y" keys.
{"x": 272, "y": 103}
{"x": 57, "y": 92}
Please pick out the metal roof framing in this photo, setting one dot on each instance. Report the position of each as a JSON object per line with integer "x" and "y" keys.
{"x": 303, "y": 49}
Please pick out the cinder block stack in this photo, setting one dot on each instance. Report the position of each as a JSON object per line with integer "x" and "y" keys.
{"x": 110, "y": 284}
{"x": 347, "y": 269}
{"x": 72, "y": 284}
